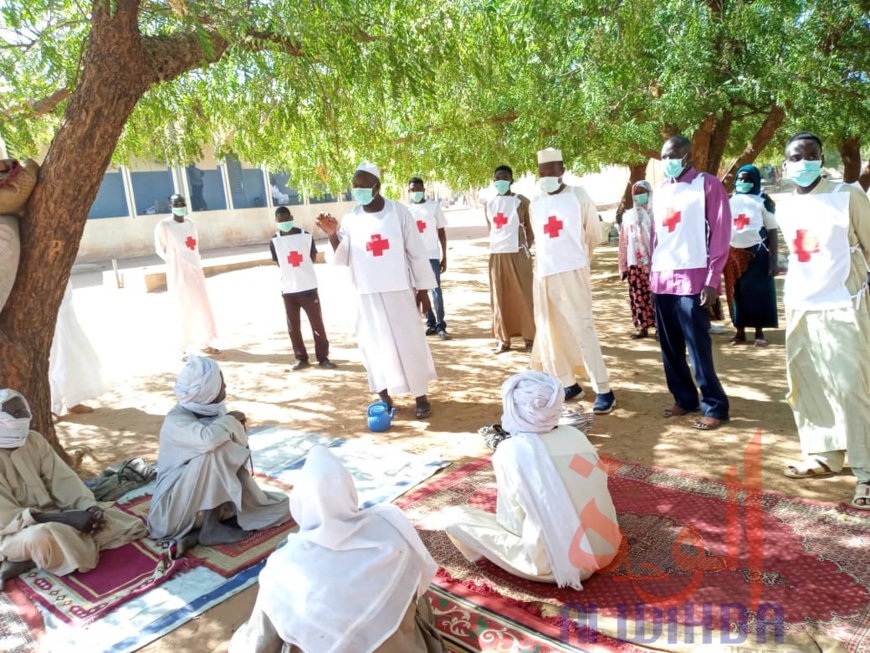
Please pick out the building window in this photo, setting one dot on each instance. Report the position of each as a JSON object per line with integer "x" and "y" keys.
{"x": 151, "y": 190}
{"x": 282, "y": 193}
{"x": 206, "y": 186}
{"x": 246, "y": 184}
{"x": 111, "y": 200}
{"x": 320, "y": 196}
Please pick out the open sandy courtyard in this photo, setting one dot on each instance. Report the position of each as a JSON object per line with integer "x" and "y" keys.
{"x": 134, "y": 335}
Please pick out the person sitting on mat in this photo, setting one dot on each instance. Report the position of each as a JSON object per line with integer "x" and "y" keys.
{"x": 555, "y": 520}
{"x": 204, "y": 493}
{"x": 48, "y": 518}
{"x": 350, "y": 581}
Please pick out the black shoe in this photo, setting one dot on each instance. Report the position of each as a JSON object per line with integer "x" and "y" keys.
{"x": 327, "y": 364}
{"x": 300, "y": 365}
{"x": 431, "y": 331}
{"x": 444, "y": 335}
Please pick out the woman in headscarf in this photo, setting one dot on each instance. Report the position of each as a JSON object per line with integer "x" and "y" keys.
{"x": 752, "y": 265}
{"x": 350, "y": 581}
{"x": 202, "y": 481}
{"x": 634, "y": 258}
{"x": 555, "y": 521}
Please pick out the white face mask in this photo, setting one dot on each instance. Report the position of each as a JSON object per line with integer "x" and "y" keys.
{"x": 13, "y": 431}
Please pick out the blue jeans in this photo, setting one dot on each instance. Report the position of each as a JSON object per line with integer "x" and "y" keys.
{"x": 681, "y": 321}
{"x": 435, "y": 320}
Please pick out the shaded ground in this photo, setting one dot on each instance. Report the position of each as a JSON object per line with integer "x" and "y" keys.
{"x": 133, "y": 333}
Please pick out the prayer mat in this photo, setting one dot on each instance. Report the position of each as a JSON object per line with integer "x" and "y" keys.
{"x": 21, "y": 625}
{"x": 701, "y": 562}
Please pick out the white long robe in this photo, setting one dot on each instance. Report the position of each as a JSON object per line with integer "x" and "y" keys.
{"x": 177, "y": 243}
{"x": 389, "y": 327}
{"x": 74, "y": 371}
{"x": 511, "y": 538}
{"x": 201, "y": 466}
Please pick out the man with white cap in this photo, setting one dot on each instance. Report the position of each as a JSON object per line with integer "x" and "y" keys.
{"x": 390, "y": 269}
{"x": 554, "y": 521}
{"x": 48, "y": 518}
{"x": 565, "y": 224}
{"x": 202, "y": 482}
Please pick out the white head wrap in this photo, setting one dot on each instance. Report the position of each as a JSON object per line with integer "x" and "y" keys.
{"x": 369, "y": 167}
{"x": 343, "y": 583}
{"x": 549, "y": 155}
{"x": 13, "y": 431}
{"x": 198, "y": 385}
{"x": 532, "y": 403}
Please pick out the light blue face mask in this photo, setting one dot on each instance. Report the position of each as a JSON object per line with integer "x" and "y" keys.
{"x": 363, "y": 195}
{"x": 502, "y": 186}
{"x": 417, "y": 196}
{"x": 803, "y": 173}
{"x": 641, "y": 198}
{"x": 180, "y": 211}
{"x": 674, "y": 167}
{"x": 549, "y": 184}
{"x": 285, "y": 226}
{"x": 743, "y": 186}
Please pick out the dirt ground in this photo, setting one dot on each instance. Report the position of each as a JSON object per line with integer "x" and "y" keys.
{"x": 133, "y": 333}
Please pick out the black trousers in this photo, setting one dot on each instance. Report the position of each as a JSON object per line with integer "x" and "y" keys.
{"x": 309, "y": 301}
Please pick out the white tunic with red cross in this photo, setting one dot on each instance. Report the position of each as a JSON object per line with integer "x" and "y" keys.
{"x": 816, "y": 228}
{"x": 182, "y": 240}
{"x": 557, "y": 221}
{"x": 293, "y": 252}
{"x": 679, "y": 211}
{"x": 504, "y": 224}
{"x": 425, "y": 215}
{"x": 747, "y": 220}
{"x": 377, "y": 251}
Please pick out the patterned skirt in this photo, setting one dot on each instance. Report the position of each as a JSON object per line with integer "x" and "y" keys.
{"x": 640, "y": 297}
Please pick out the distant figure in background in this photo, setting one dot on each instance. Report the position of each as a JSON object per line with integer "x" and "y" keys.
{"x": 74, "y": 374}
{"x": 510, "y": 263}
{"x": 277, "y": 196}
{"x": 753, "y": 261}
{"x": 432, "y": 226}
{"x": 196, "y": 181}
{"x": 177, "y": 242}
{"x": 634, "y": 259}
{"x": 294, "y": 251}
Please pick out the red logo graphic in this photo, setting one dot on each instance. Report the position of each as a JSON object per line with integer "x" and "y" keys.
{"x": 805, "y": 245}
{"x": 672, "y": 219}
{"x": 377, "y": 245}
{"x": 191, "y": 243}
{"x": 421, "y": 226}
{"x": 294, "y": 259}
{"x": 741, "y": 222}
{"x": 499, "y": 220}
{"x": 553, "y": 227}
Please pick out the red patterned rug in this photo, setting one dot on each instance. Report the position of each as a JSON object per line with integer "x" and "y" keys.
{"x": 701, "y": 562}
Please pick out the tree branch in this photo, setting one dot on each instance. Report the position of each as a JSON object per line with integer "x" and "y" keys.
{"x": 498, "y": 120}
{"x": 37, "y": 108}
{"x": 762, "y": 137}
{"x": 647, "y": 151}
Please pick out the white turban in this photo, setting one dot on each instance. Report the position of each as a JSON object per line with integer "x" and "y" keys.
{"x": 369, "y": 167}
{"x": 549, "y": 155}
{"x": 198, "y": 385}
{"x": 532, "y": 403}
{"x": 13, "y": 430}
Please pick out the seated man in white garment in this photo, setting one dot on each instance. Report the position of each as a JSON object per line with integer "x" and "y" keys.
{"x": 48, "y": 518}
{"x": 555, "y": 521}
{"x": 350, "y": 581}
{"x": 204, "y": 492}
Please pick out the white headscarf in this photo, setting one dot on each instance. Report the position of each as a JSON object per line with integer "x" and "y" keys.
{"x": 532, "y": 403}
{"x": 198, "y": 385}
{"x": 369, "y": 167}
{"x": 343, "y": 583}
{"x": 13, "y": 431}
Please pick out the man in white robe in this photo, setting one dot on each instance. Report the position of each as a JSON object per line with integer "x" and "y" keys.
{"x": 177, "y": 242}
{"x": 555, "y": 520}
{"x": 202, "y": 481}
{"x": 48, "y": 518}
{"x": 380, "y": 243}
{"x": 566, "y": 227}
{"x": 74, "y": 373}
{"x": 350, "y": 581}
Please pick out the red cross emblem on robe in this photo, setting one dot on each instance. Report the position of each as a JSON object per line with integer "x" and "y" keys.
{"x": 805, "y": 245}
{"x": 191, "y": 243}
{"x": 500, "y": 220}
{"x": 377, "y": 245}
{"x": 672, "y": 219}
{"x": 553, "y": 227}
{"x": 741, "y": 222}
{"x": 421, "y": 226}
{"x": 294, "y": 258}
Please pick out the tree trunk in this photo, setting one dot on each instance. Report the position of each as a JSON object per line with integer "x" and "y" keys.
{"x": 110, "y": 85}
{"x": 718, "y": 142}
{"x": 701, "y": 143}
{"x": 637, "y": 172}
{"x": 864, "y": 179}
{"x": 850, "y": 151}
{"x": 769, "y": 126}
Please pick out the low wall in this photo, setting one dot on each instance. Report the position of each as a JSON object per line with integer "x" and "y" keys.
{"x": 129, "y": 237}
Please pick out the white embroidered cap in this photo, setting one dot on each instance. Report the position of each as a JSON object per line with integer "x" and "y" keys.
{"x": 369, "y": 167}
{"x": 548, "y": 155}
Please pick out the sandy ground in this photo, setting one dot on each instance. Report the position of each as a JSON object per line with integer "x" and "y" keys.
{"x": 133, "y": 333}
